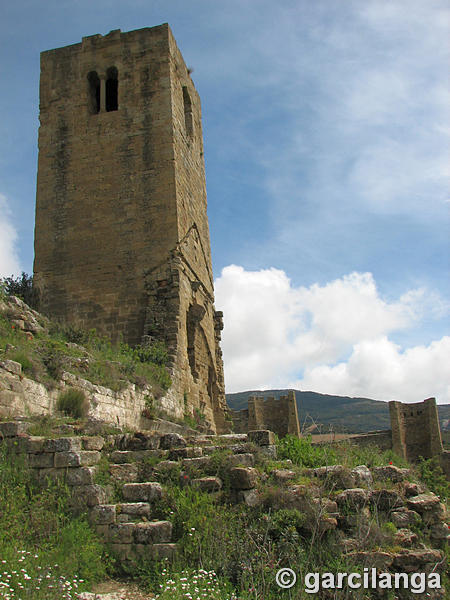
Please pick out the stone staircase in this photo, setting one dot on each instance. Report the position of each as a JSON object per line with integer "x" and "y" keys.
{"x": 135, "y": 463}
{"x": 134, "y": 469}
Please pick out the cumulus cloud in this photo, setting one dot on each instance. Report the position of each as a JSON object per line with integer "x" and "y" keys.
{"x": 331, "y": 338}
{"x": 9, "y": 261}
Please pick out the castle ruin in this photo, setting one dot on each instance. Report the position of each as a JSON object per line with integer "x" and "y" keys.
{"x": 415, "y": 429}
{"x": 122, "y": 235}
{"x": 278, "y": 415}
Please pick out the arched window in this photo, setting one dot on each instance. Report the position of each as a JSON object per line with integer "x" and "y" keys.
{"x": 188, "y": 122}
{"x": 94, "y": 92}
{"x": 112, "y": 90}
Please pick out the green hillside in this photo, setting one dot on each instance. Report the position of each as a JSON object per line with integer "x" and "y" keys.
{"x": 341, "y": 413}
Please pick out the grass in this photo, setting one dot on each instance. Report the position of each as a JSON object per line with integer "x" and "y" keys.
{"x": 45, "y": 553}
{"x": 305, "y": 454}
{"x": 46, "y": 355}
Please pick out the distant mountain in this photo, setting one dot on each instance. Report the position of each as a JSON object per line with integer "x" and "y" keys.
{"x": 341, "y": 413}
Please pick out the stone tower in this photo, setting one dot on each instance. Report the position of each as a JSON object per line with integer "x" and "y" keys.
{"x": 415, "y": 429}
{"x": 122, "y": 236}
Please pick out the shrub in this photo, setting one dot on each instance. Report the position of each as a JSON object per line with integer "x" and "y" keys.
{"x": 73, "y": 403}
{"x": 22, "y": 287}
{"x": 432, "y": 474}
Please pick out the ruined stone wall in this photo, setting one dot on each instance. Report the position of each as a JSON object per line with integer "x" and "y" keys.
{"x": 122, "y": 237}
{"x": 415, "y": 429}
{"x": 277, "y": 415}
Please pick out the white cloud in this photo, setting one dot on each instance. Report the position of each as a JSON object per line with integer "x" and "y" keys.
{"x": 9, "y": 261}
{"x": 331, "y": 338}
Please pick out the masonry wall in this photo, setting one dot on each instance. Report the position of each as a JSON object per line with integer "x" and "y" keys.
{"x": 122, "y": 238}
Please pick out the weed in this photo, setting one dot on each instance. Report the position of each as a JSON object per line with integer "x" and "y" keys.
{"x": 73, "y": 403}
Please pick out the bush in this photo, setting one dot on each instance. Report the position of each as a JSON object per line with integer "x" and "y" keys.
{"x": 73, "y": 403}
{"x": 432, "y": 474}
{"x": 22, "y": 287}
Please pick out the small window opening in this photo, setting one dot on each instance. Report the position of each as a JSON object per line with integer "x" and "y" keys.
{"x": 94, "y": 92}
{"x": 112, "y": 89}
{"x": 188, "y": 122}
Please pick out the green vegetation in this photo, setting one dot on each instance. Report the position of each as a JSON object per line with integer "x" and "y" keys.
{"x": 45, "y": 355}
{"x": 46, "y": 553}
{"x": 73, "y": 403}
{"x": 304, "y": 453}
{"x": 20, "y": 286}
{"x": 432, "y": 474}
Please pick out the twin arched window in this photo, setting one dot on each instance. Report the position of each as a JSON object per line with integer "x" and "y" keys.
{"x": 103, "y": 94}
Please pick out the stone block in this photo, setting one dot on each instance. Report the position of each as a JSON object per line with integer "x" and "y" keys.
{"x": 134, "y": 509}
{"x": 64, "y": 444}
{"x": 41, "y": 461}
{"x": 207, "y": 484}
{"x": 243, "y": 478}
{"x": 50, "y": 474}
{"x": 127, "y": 472}
{"x": 188, "y": 452}
{"x": 241, "y": 460}
{"x": 85, "y": 458}
{"x": 172, "y": 440}
{"x": 142, "y": 492}
{"x": 11, "y": 429}
{"x": 144, "y": 440}
{"x": 80, "y": 476}
{"x": 162, "y": 551}
{"x": 390, "y": 473}
{"x": 405, "y": 538}
{"x": 269, "y": 452}
{"x": 102, "y": 514}
{"x": 362, "y": 475}
{"x": 90, "y": 442}
{"x": 35, "y": 445}
{"x": 418, "y": 561}
{"x": 353, "y": 498}
{"x": 282, "y": 476}
{"x": 334, "y": 477}
{"x": 121, "y": 533}
{"x": 88, "y": 495}
{"x": 404, "y": 518}
{"x": 386, "y": 500}
{"x": 153, "y": 532}
{"x": 262, "y": 437}
{"x": 249, "y": 497}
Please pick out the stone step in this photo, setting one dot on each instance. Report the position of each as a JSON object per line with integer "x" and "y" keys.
{"x": 129, "y": 456}
{"x": 142, "y": 492}
{"x": 124, "y": 473}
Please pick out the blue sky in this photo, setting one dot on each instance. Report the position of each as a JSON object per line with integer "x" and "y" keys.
{"x": 326, "y": 143}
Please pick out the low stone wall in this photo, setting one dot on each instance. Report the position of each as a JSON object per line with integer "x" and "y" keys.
{"x": 20, "y": 395}
{"x": 382, "y": 439}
